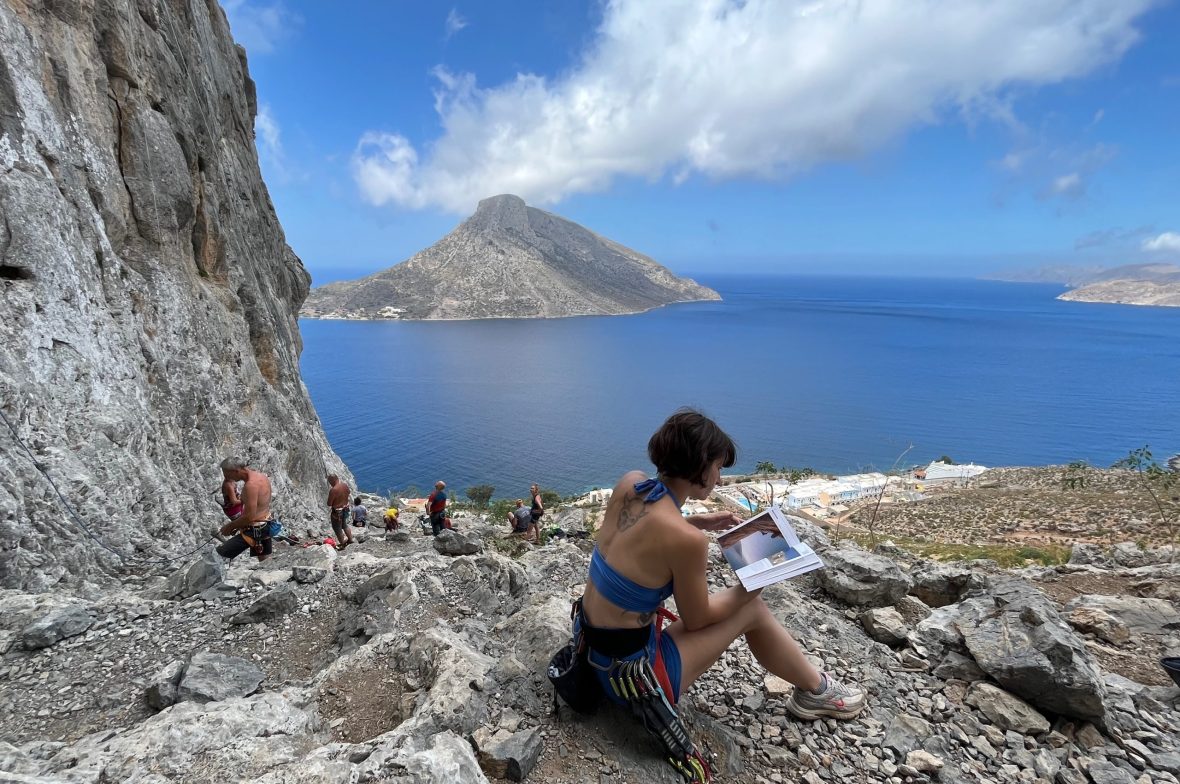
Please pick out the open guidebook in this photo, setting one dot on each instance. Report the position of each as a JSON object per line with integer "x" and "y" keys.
{"x": 765, "y": 549}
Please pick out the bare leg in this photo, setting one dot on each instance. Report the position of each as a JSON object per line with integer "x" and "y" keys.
{"x": 771, "y": 644}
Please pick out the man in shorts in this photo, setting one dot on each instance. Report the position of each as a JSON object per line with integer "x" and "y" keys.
{"x": 338, "y": 495}
{"x": 249, "y": 530}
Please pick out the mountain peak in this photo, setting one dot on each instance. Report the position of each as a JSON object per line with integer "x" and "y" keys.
{"x": 501, "y": 212}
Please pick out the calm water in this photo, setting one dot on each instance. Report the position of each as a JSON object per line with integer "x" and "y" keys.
{"x": 836, "y": 373}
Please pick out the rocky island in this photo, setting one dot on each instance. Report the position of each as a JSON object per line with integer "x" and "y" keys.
{"x": 509, "y": 260}
{"x": 1134, "y": 284}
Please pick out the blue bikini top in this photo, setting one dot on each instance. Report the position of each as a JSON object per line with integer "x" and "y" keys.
{"x": 624, "y": 592}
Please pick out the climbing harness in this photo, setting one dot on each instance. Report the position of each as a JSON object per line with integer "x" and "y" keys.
{"x": 645, "y": 689}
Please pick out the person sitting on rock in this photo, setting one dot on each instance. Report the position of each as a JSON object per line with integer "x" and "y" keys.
{"x": 360, "y": 515}
{"x": 250, "y": 529}
{"x": 647, "y": 551}
{"x": 520, "y": 519}
{"x": 338, "y": 503}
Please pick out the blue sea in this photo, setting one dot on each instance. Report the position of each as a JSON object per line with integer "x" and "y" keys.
{"x": 838, "y": 373}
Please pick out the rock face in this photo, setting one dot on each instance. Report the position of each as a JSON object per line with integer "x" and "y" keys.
{"x": 509, "y": 260}
{"x": 149, "y": 299}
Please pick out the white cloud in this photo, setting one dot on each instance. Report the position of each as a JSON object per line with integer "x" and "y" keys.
{"x": 455, "y": 22}
{"x": 260, "y": 26}
{"x": 1071, "y": 185}
{"x": 268, "y": 138}
{"x": 739, "y": 88}
{"x": 1168, "y": 242}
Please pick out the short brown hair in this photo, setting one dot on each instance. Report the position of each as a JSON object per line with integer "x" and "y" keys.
{"x": 687, "y": 443}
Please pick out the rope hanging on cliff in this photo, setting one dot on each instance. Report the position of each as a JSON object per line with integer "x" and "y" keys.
{"x": 77, "y": 518}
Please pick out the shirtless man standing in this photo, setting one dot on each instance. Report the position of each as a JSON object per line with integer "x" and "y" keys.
{"x": 248, "y": 529}
{"x": 338, "y": 497}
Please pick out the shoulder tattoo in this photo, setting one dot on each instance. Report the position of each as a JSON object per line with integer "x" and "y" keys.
{"x": 629, "y": 518}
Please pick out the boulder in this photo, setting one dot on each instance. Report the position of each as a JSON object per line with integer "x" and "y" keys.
{"x": 57, "y": 624}
{"x": 885, "y": 625}
{"x": 268, "y": 578}
{"x": 1085, "y": 554}
{"x": 509, "y": 756}
{"x": 1098, "y": 622}
{"x": 163, "y": 688}
{"x": 1016, "y": 636}
{"x": 271, "y": 604}
{"x": 939, "y": 584}
{"x": 1129, "y": 555}
{"x": 1144, "y": 616}
{"x": 956, "y": 666}
{"x": 308, "y": 574}
{"x": 212, "y": 677}
{"x": 1005, "y": 710}
{"x": 862, "y": 578}
{"x": 450, "y": 542}
{"x": 203, "y": 573}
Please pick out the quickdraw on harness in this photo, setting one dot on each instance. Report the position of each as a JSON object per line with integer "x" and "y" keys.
{"x": 645, "y": 689}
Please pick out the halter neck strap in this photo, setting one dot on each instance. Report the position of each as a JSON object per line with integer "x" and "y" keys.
{"x": 655, "y": 490}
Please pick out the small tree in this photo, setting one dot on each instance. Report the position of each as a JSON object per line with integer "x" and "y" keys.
{"x": 765, "y": 467}
{"x": 480, "y": 495}
{"x": 946, "y": 459}
{"x": 1075, "y": 475}
{"x": 550, "y": 498}
{"x": 1160, "y": 484}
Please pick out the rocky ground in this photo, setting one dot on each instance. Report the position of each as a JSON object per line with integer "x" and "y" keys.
{"x": 1030, "y": 506}
{"x": 395, "y": 661}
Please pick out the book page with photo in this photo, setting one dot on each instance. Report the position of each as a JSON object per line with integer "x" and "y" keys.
{"x": 765, "y": 549}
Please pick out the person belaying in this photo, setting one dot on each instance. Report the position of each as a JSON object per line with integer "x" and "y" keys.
{"x": 338, "y": 495}
{"x": 253, "y": 528}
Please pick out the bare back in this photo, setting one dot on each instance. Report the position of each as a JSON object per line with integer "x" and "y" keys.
{"x": 634, "y": 539}
{"x": 255, "y": 497}
{"x": 338, "y": 495}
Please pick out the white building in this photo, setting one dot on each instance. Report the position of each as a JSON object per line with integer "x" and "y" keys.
{"x": 945, "y": 471}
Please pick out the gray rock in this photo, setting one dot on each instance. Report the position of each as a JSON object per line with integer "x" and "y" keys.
{"x": 57, "y": 624}
{"x": 163, "y": 689}
{"x": 201, "y": 575}
{"x": 1088, "y": 555}
{"x": 149, "y": 298}
{"x": 513, "y": 757}
{"x": 268, "y": 578}
{"x": 271, "y": 604}
{"x": 884, "y": 624}
{"x": 1144, "y": 616}
{"x": 1168, "y": 761}
{"x": 1092, "y": 620}
{"x": 1107, "y": 773}
{"x": 1129, "y": 554}
{"x": 939, "y": 584}
{"x": 905, "y": 733}
{"x": 450, "y": 542}
{"x": 308, "y": 574}
{"x": 1031, "y": 652}
{"x": 212, "y": 677}
{"x": 1006, "y": 710}
{"x": 956, "y": 666}
{"x": 862, "y": 578}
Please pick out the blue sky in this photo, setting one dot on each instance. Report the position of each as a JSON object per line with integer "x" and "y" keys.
{"x": 879, "y": 137}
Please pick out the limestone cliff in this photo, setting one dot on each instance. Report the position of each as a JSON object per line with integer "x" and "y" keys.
{"x": 1132, "y": 284}
{"x": 148, "y": 298}
{"x": 509, "y": 260}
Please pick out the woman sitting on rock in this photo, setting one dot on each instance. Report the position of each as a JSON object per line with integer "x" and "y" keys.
{"x": 647, "y": 551}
